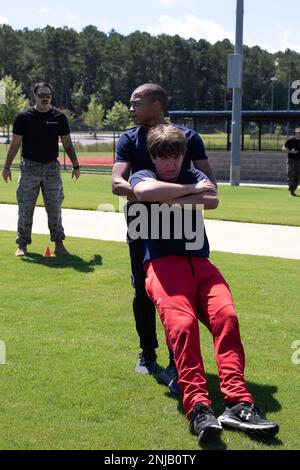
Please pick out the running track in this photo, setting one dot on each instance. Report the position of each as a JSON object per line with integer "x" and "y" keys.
{"x": 90, "y": 161}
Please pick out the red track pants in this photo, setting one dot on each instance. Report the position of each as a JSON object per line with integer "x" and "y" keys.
{"x": 185, "y": 290}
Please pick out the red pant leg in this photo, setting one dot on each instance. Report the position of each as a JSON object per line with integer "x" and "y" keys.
{"x": 171, "y": 285}
{"x": 216, "y": 311}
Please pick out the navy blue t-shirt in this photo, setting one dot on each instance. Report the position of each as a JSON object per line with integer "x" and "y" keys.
{"x": 132, "y": 148}
{"x": 182, "y": 234}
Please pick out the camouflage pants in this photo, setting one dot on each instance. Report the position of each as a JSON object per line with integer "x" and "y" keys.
{"x": 293, "y": 167}
{"x": 35, "y": 175}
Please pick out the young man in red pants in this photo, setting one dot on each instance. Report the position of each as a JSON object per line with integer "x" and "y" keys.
{"x": 186, "y": 287}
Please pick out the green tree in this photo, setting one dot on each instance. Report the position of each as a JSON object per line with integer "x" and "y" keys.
{"x": 93, "y": 117}
{"x": 69, "y": 115}
{"x": 110, "y": 66}
{"x": 116, "y": 67}
{"x": 118, "y": 117}
{"x": 259, "y": 67}
{"x": 11, "y": 52}
{"x": 57, "y": 62}
{"x": 92, "y": 53}
{"x": 15, "y": 101}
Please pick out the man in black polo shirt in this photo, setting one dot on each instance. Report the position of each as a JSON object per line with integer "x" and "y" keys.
{"x": 147, "y": 106}
{"x": 292, "y": 147}
{"x": 38, "y": 130}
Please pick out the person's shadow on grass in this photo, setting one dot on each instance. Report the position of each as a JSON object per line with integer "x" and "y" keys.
{"x": 64, "y": 261}
{"x": 264, "y": 399}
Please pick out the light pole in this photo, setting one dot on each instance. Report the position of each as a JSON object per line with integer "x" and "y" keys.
{"x": 289, "y": 94}
{"x": 273, "y": 80}
{"x": 235, "y": 79}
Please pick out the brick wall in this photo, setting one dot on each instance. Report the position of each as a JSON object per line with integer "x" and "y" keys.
{"x": 259, "y": 166}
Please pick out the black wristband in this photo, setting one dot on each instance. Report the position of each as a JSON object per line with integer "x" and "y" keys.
{"x": 7, "y": 168}
{"x": 76, "y": 167}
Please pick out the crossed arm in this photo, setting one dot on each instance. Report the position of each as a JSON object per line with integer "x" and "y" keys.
{"x": 200, "y": 193}
{"x": 121, "y": 186}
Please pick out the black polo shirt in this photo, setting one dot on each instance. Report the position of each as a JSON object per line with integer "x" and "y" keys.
{"x": 40, "y": 133}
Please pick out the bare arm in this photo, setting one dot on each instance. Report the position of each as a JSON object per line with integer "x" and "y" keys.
{"x": 120, "y": 184}
{"x": 151, "y": 190}
{"x": 209, "y": 199}
{"x": 204, "y": 166}
{"x": 202, "y": 192}
{"x": 70, "y": 151}
{"x": 285, "y": 149}
{"x": 12, "y": 152}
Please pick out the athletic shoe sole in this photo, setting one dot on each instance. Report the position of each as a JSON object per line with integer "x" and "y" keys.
{"x": 209, "y": 433}
{"x": 267, "y": 430}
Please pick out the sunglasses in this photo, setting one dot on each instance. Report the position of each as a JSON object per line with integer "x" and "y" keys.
{"x": 44, "y": 95}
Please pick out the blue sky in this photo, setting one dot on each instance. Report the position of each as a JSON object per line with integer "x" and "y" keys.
{"x": 271, "y": 24}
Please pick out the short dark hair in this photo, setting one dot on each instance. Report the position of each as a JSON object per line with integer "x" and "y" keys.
{"x": 41, "y": 85}
{"x": 154, "y": 92}
{"x": 165, "y": 140}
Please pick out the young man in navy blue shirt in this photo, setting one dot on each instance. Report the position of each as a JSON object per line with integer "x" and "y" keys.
{"x": 186, "y": 287}
{"x": 147, "y": 107}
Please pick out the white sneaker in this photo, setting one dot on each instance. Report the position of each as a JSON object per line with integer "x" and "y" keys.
{"x": 21, "y": 251}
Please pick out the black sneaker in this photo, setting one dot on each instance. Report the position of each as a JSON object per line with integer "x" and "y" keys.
{"x": 146, "y": 363}
{"x": 169, "y": 377}
{"x": 246, "y": 417}
{"x": 203, "y": 422}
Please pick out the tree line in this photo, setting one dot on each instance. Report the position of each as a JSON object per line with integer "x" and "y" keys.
{"x": 91, "y": 63}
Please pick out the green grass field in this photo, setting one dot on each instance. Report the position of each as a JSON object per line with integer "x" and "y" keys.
{"x": 71, "y": 348}
{"x": 219, "y": 142}
{"x": 244, "y": 203}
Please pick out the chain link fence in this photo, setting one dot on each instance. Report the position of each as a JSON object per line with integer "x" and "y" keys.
{"x": 98, "y": 154}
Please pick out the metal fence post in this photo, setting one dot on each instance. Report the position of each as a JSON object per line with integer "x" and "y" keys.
{"x": 114, "y": 147}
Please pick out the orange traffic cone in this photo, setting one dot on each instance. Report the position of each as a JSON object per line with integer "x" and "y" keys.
{"x": 47, "y": 253}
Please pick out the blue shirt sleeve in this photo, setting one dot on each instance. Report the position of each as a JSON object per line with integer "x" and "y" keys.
{"x": 196, "y": 147}
{"x": 124, "y": 149}
{"x": 191, "y": 177}
{"x": 139, "y": 176}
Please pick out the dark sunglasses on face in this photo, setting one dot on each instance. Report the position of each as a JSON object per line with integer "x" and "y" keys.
{"x": 44, "y": 95}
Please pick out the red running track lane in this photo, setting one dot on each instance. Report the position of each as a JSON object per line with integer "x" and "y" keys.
{"x": 90, "y": 161}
